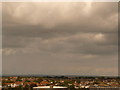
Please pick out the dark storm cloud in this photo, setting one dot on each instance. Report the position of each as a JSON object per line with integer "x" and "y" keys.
{"x": 79, "y": 33}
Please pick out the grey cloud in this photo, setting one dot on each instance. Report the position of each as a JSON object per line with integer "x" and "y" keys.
{"x": 68, "y": 34}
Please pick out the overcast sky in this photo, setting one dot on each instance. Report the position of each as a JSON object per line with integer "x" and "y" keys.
{"x": 60, "y": 38}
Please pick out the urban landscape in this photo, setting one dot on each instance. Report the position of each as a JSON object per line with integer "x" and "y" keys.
{"x": 59, "y": 45}
{"x": 59, "y": 82}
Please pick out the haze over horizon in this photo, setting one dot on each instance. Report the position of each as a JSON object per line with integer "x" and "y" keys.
{"x": 60, "y": 38}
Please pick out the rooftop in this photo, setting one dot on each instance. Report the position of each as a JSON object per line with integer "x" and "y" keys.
{"x": 49, "y": 87}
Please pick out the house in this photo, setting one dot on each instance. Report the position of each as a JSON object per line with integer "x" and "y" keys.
{"x": 50, "y": 87}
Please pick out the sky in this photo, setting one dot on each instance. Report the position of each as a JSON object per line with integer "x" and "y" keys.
{"x": 60, "y": 38}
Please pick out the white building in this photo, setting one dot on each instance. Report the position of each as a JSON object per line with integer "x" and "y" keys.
{"x": 49, "y": 87}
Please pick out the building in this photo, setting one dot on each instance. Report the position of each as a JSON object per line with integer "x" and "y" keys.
{"x": 50, "y": 88}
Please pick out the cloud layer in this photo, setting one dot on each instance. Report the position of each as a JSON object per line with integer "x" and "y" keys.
{"x": 60, "y": 38}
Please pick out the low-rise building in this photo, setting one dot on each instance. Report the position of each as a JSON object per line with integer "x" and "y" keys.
{"x": 50, "y": 88}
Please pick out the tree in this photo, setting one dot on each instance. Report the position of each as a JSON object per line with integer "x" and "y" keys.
{"x": 71, "y": 87}
{"x": 33, "y": 85}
